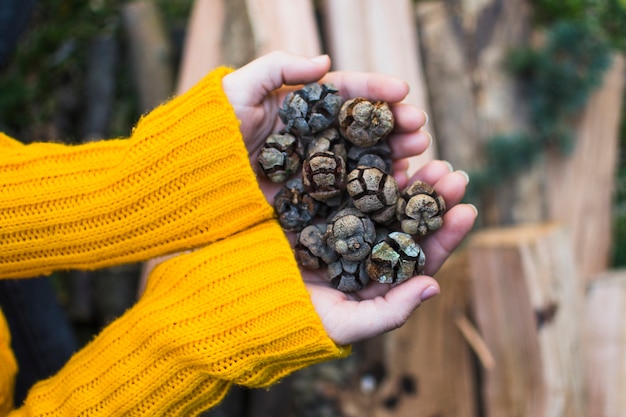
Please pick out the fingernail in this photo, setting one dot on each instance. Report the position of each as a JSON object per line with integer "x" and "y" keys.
{"x": 425, "y": 117}
{"x": 428, "y": 136}
{"x": 465, "y": 174}
{"x": 450, "y": 167}
{"x": 474, "y": 208}
{"x": 429, "y": 292}
{"x": 319, "y": 59}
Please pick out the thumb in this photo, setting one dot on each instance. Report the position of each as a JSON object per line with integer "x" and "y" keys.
{"x": 271, "y": 71}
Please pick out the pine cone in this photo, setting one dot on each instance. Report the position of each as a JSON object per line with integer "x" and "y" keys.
{"x": 373, "y": 192}
{"x": 280, "y": 157}
{"x": 311, "y": 109}
{"x": 420, "y": 209}
{"x": 365, "y": 123}
{"x": 395, "y": 259}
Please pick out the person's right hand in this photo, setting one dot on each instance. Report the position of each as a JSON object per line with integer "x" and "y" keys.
{"x": 378, "y": 308}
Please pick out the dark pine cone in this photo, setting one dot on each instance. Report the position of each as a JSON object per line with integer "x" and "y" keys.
{"x": 373, "y": 192}
{"x": 351, "y": 233}
{"x": 365, "y": 123}
{"x": 312, "y": 250}
{"x": 324, "y": 175}
{"x": 311, "y": 109}
{"x": 420, "y": 209}
{"x": 328, "y": 140}
{"x": 280, "y": 157}
{"x": 348, "y": 276}
{"x": 395, "y": 259}
{"x": 295, "y": 208}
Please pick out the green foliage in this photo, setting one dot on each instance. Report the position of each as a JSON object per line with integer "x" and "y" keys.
{"x": 557, "y": 80}
{"x": 608, "y": 16}
{"x": 619, "y": 212}
{"x": 52, "y": 56}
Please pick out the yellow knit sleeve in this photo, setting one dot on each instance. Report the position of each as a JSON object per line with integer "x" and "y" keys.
{"x": 8, "y": 368}
{"x": 235, "y": 312}
{"x": 183, "y": 179}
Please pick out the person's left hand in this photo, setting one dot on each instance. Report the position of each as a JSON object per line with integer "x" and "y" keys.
{"x": 256, "y": 92}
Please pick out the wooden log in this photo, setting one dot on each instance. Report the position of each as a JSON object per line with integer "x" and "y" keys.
{"x": 472, "y": 95}
{"x": 449, "y": 87}
{"x": 605, "y": 344}
{"x": 527, "y": 301}
{"x": 426, "y": 368}
{"x": 287, "y": 25}
{"x": 150, "y": 52}
{"x": 201, "y": 49}
{"x": 580, "y": 186}
{"x": 218, "y": 33}
{"x": 381, "y": 37}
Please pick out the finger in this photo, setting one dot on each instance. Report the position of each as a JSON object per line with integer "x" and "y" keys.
{"x": 371, "y": 86}
{"x": 452, "y": 187}
{"x": 271, "y": 71}
{"x": 457, "y": 223}
{"x": 406, "y": 145}
{"x": 365, "y": 319}
{"x": 432, "y": 171}
{"x": 400, "y": 172}
{"x": 408, "y": 118}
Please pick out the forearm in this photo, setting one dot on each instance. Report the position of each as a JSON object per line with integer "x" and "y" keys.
{"x": 207, "y": 319}
{"x": 182, "y": 179}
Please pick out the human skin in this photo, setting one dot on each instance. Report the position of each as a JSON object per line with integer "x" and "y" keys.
{"x": 257, "y": 90}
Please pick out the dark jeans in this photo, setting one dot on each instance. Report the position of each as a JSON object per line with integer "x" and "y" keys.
{"x": 41, "y": 337}
{"x": 14, "y": 17}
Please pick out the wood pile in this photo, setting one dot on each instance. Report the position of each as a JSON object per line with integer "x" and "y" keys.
{"x": 530, "y": 319}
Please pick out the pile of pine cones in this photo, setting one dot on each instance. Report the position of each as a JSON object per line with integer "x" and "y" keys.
{"x": 339, "y": 194}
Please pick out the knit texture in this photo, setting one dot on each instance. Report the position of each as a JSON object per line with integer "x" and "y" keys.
{"x": 207, "y": 319}
{"x": 8, "y": 368}
{"x": 233, "y": 311}
{"x": 183, "y": 179}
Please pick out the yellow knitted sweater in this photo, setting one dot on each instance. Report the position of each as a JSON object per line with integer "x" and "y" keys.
{"x": 234, "y": 311}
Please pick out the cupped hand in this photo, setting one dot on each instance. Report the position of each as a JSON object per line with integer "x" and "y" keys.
{"x": 256, "y": 92}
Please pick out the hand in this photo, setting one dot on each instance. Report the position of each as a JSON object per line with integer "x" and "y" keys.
{"x": 349, "y": 318}
{"x": 257, "y": 90}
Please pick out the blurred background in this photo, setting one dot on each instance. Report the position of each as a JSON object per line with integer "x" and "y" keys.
{"x": 525, "y": 95}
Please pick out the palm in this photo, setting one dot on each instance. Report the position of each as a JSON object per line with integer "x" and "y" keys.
{"x": 257, "y": 90}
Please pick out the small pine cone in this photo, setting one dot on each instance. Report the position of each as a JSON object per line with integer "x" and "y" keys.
{"x": 364, "y": 123}
{"x": 378, "y": 156}
{"x": 295, "y": 208}
{"x": 324, "y": 175}
{"x": 280, "y": 157}
{"x": 395, "y": 259}
{"x": 420, "y": 209}
{"x": 351, "y": 233}
{"x": 311, "y": 109}
{"x": 373, "y": 192}
{"x": 348, "y": 276}
{"x": 328, "y": 140}
{"x": 312, "y": 250}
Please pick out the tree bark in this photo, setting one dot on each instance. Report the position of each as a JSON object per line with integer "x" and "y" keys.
{"x": 380, "y": 37}
{"x": 527, "y": 300}
{"x": 580, "y": 186}
{"x": 605, "y": 344}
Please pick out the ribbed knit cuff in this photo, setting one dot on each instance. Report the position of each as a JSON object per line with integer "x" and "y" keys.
{"x": 182, "y": 180}
{"x": 236, "y": 311}
{"x": 8, "y": 368}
